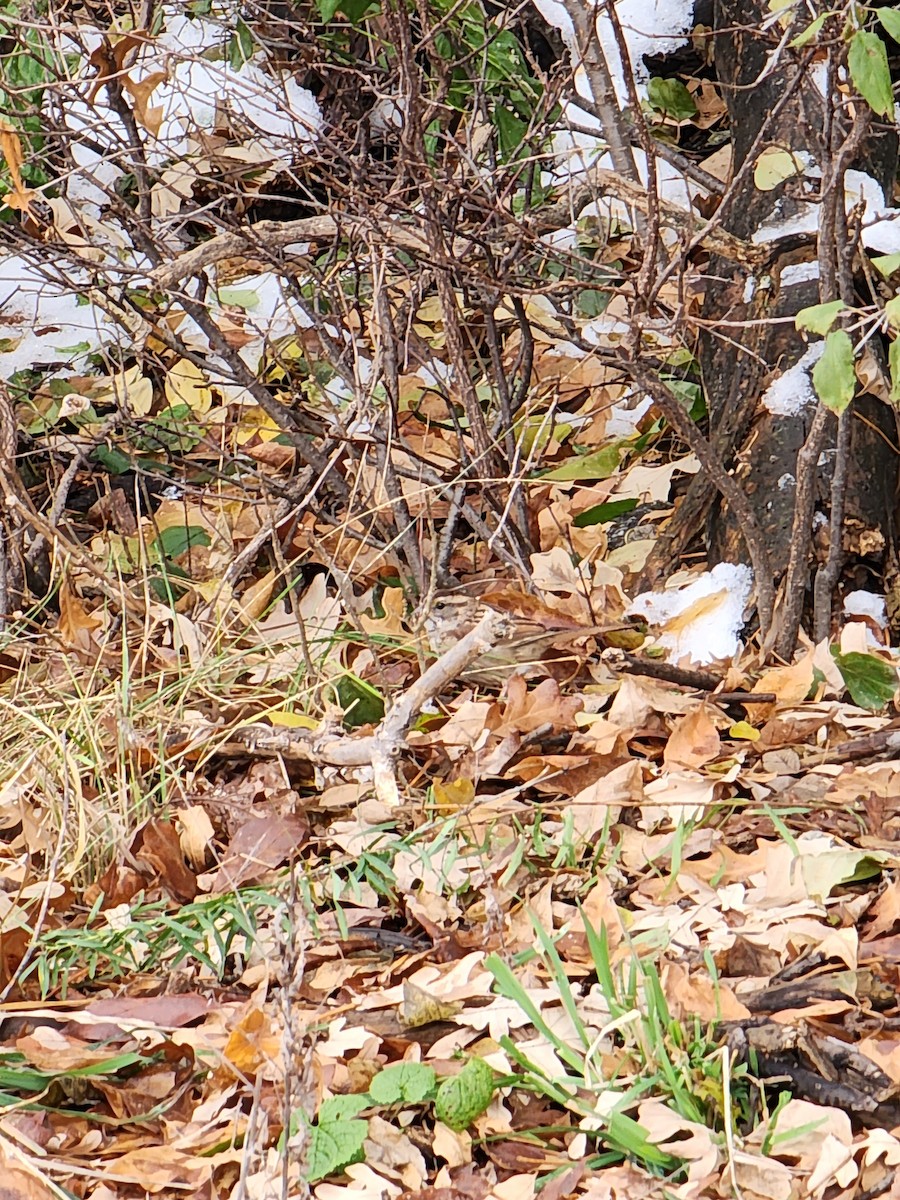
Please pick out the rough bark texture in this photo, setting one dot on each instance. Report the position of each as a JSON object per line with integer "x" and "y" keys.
{"x": 737, "y": 364}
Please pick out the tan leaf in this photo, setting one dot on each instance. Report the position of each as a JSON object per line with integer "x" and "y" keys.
{"x": 694, "y": 740}
{"x": 186, "y": 384}
{"x": 196, "y": 834}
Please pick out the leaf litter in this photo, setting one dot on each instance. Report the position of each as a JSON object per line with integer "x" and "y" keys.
{"x": 600, "y": 910}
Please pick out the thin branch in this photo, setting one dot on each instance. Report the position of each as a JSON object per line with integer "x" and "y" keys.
{"x": 754, "y": 538}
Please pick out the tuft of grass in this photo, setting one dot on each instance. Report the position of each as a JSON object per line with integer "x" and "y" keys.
{"x": 219, "y": 933}
{"x": 654, "y": 1055}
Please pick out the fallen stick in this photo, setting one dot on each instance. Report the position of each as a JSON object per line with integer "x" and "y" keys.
{"x": 381, "y": 749}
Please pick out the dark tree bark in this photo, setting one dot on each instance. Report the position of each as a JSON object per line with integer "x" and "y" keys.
{"x": 783, "y": 108}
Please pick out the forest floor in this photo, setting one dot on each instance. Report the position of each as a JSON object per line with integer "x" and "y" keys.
{"x": 363, "y": 833}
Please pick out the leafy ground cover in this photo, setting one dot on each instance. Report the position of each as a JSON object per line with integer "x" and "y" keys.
{"x": 363, "y": 831}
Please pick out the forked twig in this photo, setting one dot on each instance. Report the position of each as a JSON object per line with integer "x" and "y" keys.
{"x": 380, "y": 750}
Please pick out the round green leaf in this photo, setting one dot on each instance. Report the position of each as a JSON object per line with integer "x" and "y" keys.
{"x": 465, "y": 1096}
{"x": 333, "y": 1147}
{"x": 406, "y": 1083}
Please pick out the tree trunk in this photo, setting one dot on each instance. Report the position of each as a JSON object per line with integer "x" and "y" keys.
{"x": 738, "y": 361}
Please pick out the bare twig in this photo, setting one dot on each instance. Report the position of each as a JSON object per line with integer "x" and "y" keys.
{"x": 828, "y": 572}
{"x": 381, "y": 749}
{"x": 680, "y": 421}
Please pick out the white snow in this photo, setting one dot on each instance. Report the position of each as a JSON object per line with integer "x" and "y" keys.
{"x": 799, "y": 273}
{"x": 792, "y": 391}
{"x": 625, "y": 415}
{"x": 196, "y": 91}
{"x": 650, "y": 27}
{"x": 702, "y": 620}
{"x": 42, "y": 321}
{"x": 880, "y": 224}
{"x": 804, "y": 220}
{"x": 866, "y": 604}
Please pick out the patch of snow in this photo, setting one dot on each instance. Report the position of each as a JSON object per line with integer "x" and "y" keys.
{"x": 650, "y": 27}
{"x": 799, "y": 273}
{"x": 866, "y": 604}
{"x": 387, "y": 114}
{"x": 602, "y": 330}
{"x": 880, "y": 224}
{"x": 625, "y": 416}
{"x": 195, "y": 89}
{"x": 792, "y": 391}
{"x": 804, "y": 220}
{"x": 749, "y": 289}
{"x": 46, "y": 322}
{"x": 577, "y": 153}
{"x": 191, "y": 35}
{"x": 786, "y": 481}
{"x": 702, "y": 620}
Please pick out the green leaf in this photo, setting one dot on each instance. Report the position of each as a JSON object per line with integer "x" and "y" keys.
{"x": 465, "y": 1096}
{"x": 244, "y": 298}
{"x": 407, "y": 1083}
{"x": 342, "y": 1108}
{"x": 892, "y": 312}
{"x": 592, "y": 302}
{"x": 671, "y": 97}
{"x": 511, "y": 131}
{"x": 890, "y": 19}
{"x": 833, "y": 375}
{"x": 600, "y": 513}
{"x": 894, "y": 364}
{"x": 868, "y": 63}
{"x": 362, "y": 703}
{"x": 599, "y": 464}
{"x": 690, "y": 395}
{"x": 114, "y": 460}
{"x": 887, "y": 264}
{"x": 334, "y": 1146}
{"x": 810, "y": 31}
{"x": 352, "y": 9}
{"x": 819, "y": 318}
{"x": 240, "y": 48}
{"x": 823, "y": 873}
{"x": 870, "y": 681}
{"x": 178, "y": 539}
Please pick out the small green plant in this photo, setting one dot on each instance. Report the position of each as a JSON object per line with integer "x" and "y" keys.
{"x": 337, "y": 1137}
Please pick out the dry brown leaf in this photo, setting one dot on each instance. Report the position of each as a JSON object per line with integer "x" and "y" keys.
{"x": 694, "y": 740}
{"x": 253, "y": 1043}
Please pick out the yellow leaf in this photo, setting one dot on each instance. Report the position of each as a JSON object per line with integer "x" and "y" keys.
{"x": 130, "y": 389}
{"x": 195, "y": 834}
{"x": 254, "y": 423}
{"x": 393, "y": 601}
{"x": 289, "y": 720}
{"x": 255, "y": 600}
{"x": 745, "y": 731}
{"x": 774, "y": 166}
{"x": 453, "y": 795}
{"x": 252, "y": 1043}
{"x": 421, "y": 1008}
{"x": 186, "y": 384}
